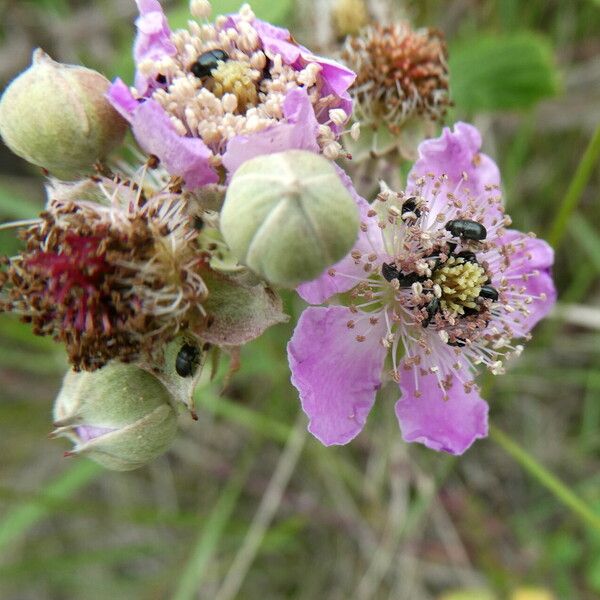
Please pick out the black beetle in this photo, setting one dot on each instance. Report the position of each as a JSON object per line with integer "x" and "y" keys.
{"x": 489, "y": 292}
{"x": 410, "y": 205}
{"x": 208, "y": 61}
{"x": 464, "y": 228}
{"x": 391, "y": 272}
{"x": 187, "y": 361}
{"x": 432, "y": 308}
{"x": 467, "y": 256}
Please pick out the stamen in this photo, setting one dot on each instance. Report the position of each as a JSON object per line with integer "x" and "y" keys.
{"x": 460, "y": 283}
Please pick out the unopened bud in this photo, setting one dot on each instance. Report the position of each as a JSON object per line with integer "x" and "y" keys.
{"x": 56, "y": 116}
{"x": 288, "y": 217}
{"x": 120, "y": 416}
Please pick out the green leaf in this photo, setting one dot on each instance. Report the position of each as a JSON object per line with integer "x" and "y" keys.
{"x": 502, "y": 72}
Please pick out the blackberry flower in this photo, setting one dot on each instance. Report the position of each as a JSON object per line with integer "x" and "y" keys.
{"x": 208, "y": 98}
{"x": 110, "y": 269}
{"x": 436, "y": 281}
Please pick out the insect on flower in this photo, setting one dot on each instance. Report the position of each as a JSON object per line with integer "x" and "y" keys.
{"x": 440, "y": 293}
{"x": 212, "y": 96}
{"x": 188, "y": 360}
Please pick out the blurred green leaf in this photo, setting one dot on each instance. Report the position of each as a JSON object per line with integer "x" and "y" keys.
{"x": 274, "y": 12}
{"x": 502, "y": 72}
{"x": 17, "y": 521}
{"x": 14, "y": 206}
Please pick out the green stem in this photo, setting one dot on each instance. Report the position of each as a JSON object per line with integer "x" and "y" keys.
{"x": 546, "y": 478}
{"x": 569, "y": 203}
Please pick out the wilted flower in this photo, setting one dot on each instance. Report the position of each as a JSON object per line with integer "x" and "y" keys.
{"x": 111, "y": 269}
{"x": 437, "y": 282}
{"x": 56, "y": 116}
{"x": 401, "y": 74}
{"x": 120, "y": 416}
{"x": 288, "y": 217}
{"x": 218, "y": 94}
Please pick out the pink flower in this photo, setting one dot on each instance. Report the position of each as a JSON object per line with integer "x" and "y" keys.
{"x": 225, "y": 92}
{"x": 436, "y": 281}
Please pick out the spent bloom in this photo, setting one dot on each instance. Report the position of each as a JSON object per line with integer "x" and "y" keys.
{"x": 111, "y": 269}
{"x": 401, "y": 74}
{"x": 437, "y": 282}
{"x": 216, "y": 94}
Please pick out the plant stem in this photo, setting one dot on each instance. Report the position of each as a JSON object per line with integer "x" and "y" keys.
{"x": 569, "y": 203}
{"x": 546, "y": 478}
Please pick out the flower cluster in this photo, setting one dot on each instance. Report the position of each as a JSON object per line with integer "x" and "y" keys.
{"x": 141, "y": 271}
{"x": 210, "y": 97}
{"x": 438, "y": 283}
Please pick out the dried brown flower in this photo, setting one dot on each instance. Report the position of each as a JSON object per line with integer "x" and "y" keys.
{"x": 111, "y": 269}
{"x": 401, "y": 73}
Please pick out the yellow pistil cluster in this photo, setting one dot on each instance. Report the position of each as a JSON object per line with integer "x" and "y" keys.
{"x": 237, "y": 78}
{"x": 460, "y": 283}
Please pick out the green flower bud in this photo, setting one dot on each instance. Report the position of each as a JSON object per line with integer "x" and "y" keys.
{"x": 56, "y": 116}
{"x": 120, "y": 416}
{"x": 288, "y": 216}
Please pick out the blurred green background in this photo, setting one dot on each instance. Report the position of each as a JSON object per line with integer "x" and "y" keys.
{"x": 246, "y": 505}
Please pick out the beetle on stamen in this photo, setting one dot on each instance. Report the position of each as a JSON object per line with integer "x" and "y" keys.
{"x": 467, "y": 229}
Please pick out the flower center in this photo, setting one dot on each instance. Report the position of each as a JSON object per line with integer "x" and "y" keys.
{"x": 460, "y": 282}
{"x": 235, "y": 78}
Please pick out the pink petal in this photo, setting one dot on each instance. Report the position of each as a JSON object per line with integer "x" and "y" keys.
{"x": 298, "y": 133}
{"x": 347, "y": 272}
{"x": 529, "y": 270}
{"x": 121, "y": 98}
{"x": 89, "y": 432}
{"x": 153, "y": 40}
{"x": 184, "y": 156}
{"x": 457, "y": 152}
{"x": 450, "y": 425}
{"x": 336, "y": 375}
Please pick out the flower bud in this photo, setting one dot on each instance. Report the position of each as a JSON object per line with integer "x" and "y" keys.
{"x": 56, "y": 116}
{"x": 120, "y": 416}
{"x": 288, "y": 216}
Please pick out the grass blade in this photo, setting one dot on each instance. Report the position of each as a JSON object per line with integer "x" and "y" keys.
{"x": 546, "y": 478}
{"x": 588, "y": 163}
{"x": 18, "y": 520}
{"x": 211, "y": 533}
